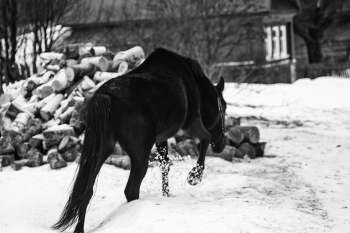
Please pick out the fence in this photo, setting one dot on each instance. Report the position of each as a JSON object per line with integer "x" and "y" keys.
{"x": 280, "y": 72}
{"x": 313, "y": 71}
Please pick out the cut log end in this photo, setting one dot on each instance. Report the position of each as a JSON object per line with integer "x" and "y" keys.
{"x": 70, "y": 74}
{"x": 232, "y": 121}
{"x": 57, "y": 85}
{"x": 46, "y": 91}
{"x": 247, "y": 149}
{"x": 45, "y": 115}
{"x": 123, "y": 67}
{"x": 260, "y": 149}
{"x": 87, "y": 84}
{"x": 227, "y": 154}
{"x": 103, "y": 64}
{"x": 251, "y": 134}
{"x": 234, "y": 136}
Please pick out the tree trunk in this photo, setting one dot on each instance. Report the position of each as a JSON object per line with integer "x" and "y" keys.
{"x": 4, "y": 8}
{"x": 13, "y": 29}
{"x": 1, "y": 69}
{"x": 314, "y": 51}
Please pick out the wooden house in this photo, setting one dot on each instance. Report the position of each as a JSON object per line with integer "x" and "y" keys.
{"x": 269, "y": 58}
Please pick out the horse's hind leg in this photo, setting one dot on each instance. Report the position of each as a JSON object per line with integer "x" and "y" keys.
{"x": 139, "y": 156}
{"x": 162, "y": 155}
{"x": 198, "y": 130}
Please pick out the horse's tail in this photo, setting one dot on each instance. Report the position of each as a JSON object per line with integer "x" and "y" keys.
{"x": 92, "y": 158}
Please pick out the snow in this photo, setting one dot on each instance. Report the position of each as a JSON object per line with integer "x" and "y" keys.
{"x": 322, "y": 100}
{"x": 301, "y": 185}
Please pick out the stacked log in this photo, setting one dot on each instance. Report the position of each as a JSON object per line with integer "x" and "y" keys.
{"x": 242, "y": 142}
{"x": 42, "y": 117}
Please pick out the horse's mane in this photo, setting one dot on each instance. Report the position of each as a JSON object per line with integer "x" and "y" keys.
{"x": 196, "y": 68}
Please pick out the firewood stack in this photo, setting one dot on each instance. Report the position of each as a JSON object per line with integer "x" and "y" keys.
{"x": 41, "y": 118}
{"x": 242, "y": 142}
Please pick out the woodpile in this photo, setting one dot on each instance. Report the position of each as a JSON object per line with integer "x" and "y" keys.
{"x": 41, "y": 118}
{"x": 242, "y": 142}
{"x": 183, "y": 146}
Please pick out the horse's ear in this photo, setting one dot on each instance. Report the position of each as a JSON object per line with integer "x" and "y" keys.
{"x": 221, "y": 85}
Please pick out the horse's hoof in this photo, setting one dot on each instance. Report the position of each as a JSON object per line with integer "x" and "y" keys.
{"x": 195, "y": 175}
{"x": 166, "y": 193}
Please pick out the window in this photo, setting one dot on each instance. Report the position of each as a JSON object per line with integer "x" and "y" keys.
{"x": 276, "y": 42}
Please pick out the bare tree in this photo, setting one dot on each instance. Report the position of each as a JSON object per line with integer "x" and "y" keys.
{"x": 209, "y": 31}
{"x": 315, "y": 17}
{"x": 10, "y": 19}
{"x": 22, "y": 17}
{"x": 42, "y": 19}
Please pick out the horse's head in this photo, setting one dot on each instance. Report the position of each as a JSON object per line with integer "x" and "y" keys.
{"x": 217, "y": 132}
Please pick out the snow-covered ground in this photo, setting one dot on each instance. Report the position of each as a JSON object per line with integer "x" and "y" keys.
{"x": 324, "y": 100}
{"x": 301, "y": 185}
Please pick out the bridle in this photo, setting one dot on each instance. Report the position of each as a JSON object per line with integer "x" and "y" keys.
{"x": 222, "y": 116}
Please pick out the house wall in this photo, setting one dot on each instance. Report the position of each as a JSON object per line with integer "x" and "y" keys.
{"x": 122, "y": 37}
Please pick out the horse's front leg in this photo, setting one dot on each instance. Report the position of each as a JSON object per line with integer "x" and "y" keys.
{"x": 198, "y": 130}
{"x": 162, "y": 156}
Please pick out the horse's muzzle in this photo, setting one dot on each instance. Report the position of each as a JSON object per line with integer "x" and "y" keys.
{"x": 219, "y": 146}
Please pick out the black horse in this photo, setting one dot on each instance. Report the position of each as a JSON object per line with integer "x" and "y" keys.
{"x": 150, "y": 104}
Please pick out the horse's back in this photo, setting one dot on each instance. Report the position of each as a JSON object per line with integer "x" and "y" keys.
{"x": 161, "y": 91}
{"x": 172, "y": 69}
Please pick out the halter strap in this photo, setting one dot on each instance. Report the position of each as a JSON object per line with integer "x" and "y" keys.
{"x": 222, "y": 116}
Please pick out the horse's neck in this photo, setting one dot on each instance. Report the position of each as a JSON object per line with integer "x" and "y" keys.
{"x": 208, "y": 98}
{"x": 205, "y": 86}
{"x": 207, "y": 89}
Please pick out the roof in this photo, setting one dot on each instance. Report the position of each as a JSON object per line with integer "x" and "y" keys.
{"x": 101, "y": 12}
{"x": 115, "y": 11}
{"x": 284, "y": 5}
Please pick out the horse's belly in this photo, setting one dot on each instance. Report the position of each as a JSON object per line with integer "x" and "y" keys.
{"x": 165, "y": 135}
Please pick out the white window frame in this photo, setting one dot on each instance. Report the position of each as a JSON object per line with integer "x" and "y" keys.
{"x": 283, "y": 38}
{"x": 268, "y": 43}
{"x": 276, "y": 42}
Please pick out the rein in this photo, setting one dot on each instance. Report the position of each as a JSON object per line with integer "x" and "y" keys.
{"x": 222, "y": 116}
